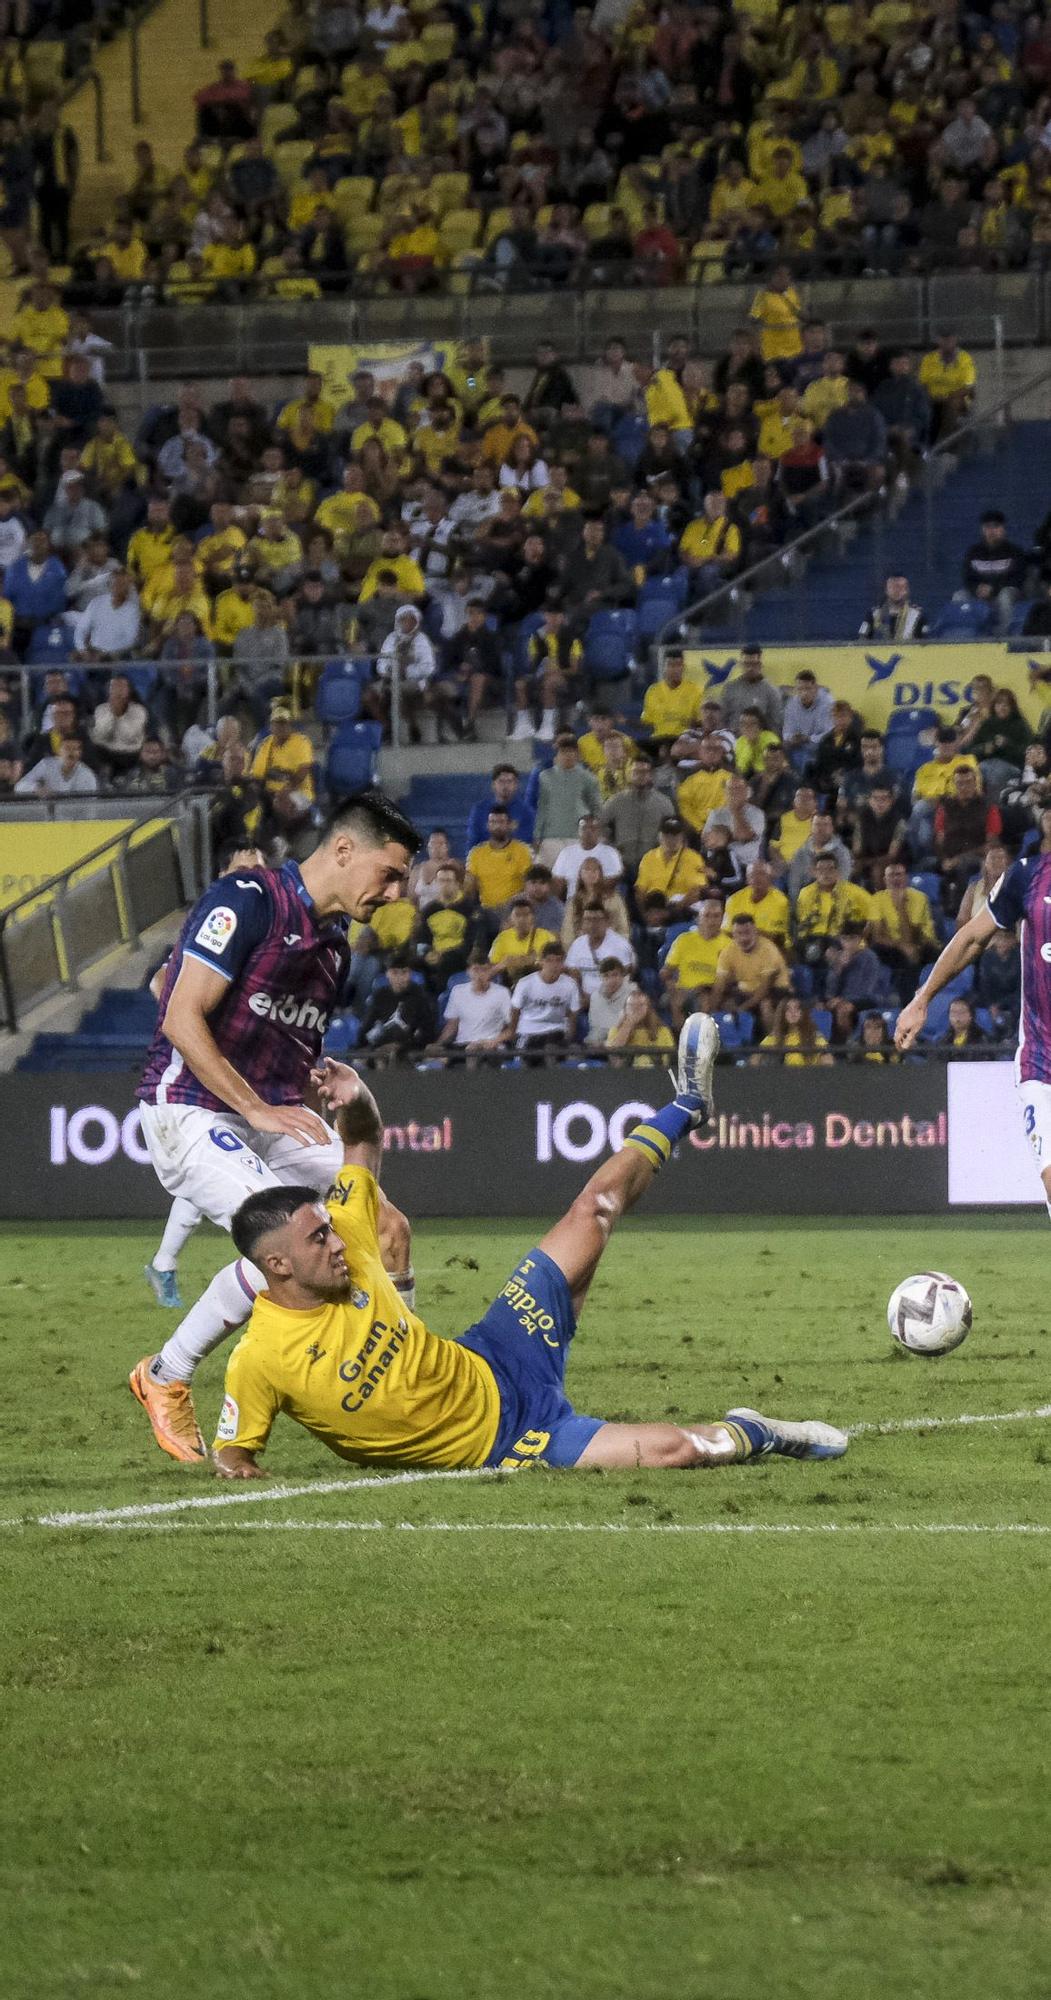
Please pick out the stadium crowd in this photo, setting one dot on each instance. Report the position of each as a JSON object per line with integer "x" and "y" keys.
{"x": 413, "y": 147}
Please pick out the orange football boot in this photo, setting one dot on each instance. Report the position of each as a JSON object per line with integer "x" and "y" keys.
{"x": 169, "y": 1406}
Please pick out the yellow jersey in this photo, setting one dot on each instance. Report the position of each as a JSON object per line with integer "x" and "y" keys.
{"x": 934, "y": 779}
{"x": 233, "y": 614}
{"x": 507, "y": 944}
{"x": 667, "y": 710}
{"x": 364, "y": 1375}
{"x": 797, "y": 1055}
{"x": 770, "y": 913}
{"x": 593, "y": 753}
{"x": 274, "y": 763}
{"x": 695, "y": 959}
{"x": 701, "y": 794}
{"x": 665, "y": 402}
{"x": 409, "y": 576}
{"x": 671, "y": 875}
{"x": 823, "y": 912}
{"x": 916, "y": 915}
{"x": 499, "y": 871}
{"x": 394, "y": 923}
{"x": 942, "y": 379}
{"x": 780, "y": 316}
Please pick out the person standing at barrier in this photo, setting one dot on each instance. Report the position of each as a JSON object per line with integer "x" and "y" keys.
{"x": 247, "y": 996}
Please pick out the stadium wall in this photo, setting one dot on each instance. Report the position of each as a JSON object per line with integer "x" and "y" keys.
{"x": 908, "y": 1139}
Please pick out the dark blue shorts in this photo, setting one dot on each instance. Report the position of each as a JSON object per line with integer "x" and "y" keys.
{"x": 525, "y": 1338}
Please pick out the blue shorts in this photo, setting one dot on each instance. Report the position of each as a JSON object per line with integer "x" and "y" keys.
{"x": 525, "y": 1338}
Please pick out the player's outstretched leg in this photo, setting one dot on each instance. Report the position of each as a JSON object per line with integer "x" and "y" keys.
{"x": 576, "y": 1244}
{"x": 159, "y": 1273}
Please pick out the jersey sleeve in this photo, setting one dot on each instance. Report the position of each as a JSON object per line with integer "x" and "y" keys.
{"x": 353, "y": 1204}
{"x": 1007, "y": 902}
{"x": 226, "y": 925}
{"x": 250, "y": 1402}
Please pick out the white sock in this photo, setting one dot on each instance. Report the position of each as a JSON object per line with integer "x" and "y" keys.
{"x": 225, "y": 1305}
{"x": 183, "y": 1218}
{"x": 722, "y": 1449}
{"x": 405, "y": 1286}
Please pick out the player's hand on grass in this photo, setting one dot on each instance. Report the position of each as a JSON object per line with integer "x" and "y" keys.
{"x": 295, "y": 1121}
{"x": 909, "y": 1022}
{"x": 232, "y": 1463}
{"x": 335, "y": 1082}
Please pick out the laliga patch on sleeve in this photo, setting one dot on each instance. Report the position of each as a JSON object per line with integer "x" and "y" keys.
{"x": 217, "y": 929}
{"x": 229, "y": 1421}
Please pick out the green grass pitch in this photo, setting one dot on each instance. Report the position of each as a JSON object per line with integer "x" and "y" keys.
{"x": 579, "y": 1737}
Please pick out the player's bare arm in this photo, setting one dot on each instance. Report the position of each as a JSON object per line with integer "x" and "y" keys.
{"x": 357, "y": 1116}
{"x": 961, "y": 949}
{"x": 196, "y": 994}
{"x": 231, "y": 1462}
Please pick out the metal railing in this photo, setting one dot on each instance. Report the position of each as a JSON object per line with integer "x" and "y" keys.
{"x": 267, "y": 335}
{"x": 782, "y": 563}
{"x": 148, "y": 871}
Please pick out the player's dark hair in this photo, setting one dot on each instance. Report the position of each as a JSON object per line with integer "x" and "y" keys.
{"x": 270, "y": 1209}
{"x": 373, "y": 819}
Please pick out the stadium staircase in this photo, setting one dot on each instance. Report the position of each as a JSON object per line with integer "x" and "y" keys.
{"x": 113, "y": 1035}
{"x": 836, "y": 590}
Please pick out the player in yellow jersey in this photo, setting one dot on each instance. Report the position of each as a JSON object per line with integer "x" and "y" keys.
{"x": 331, "y": 1344}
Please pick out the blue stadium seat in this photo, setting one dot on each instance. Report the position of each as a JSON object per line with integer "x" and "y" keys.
{"x": 457, "y": 979}
{"x": 629, "y": 439}
{"x": 50, "y": 645}
{"x": 930, "y": 884}
{"x": 910, "y": 721}
{"x": 338, "y": 695}
{"x": 343, "y": 1034}
{"x": 822, "y": 1019}
{"x": 352, "y": 754}
{"x": 969, "y": 620}
{"x": 655, "y": 610}
{"x": 143, "y": 681}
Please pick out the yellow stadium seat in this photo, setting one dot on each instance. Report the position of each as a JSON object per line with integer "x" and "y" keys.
{"x": 290, "y": 157}
{"x": 498, "y": 220}
{"x": 451, "y": 191}
{"x": 353, "y": 195}
{"x": 596, "y": 219}
{"x": 460, "y": 229}
{"x": 365, "y": 231}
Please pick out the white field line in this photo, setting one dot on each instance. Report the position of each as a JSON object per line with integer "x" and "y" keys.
{"x": 592, "y": 1527}
{"x": 158, "y": 1510}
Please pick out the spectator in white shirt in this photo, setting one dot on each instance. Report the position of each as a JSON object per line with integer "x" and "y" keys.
{"x": 110, "y": 625}
{"x": 62, "y": 777}
{"x": 808, "y": 713}
{"x": 119, "y": 726}
{"x": 596, "y": 943}
{"x": 408, "y": 650}
{"x": 606, "y": 1006}
{"x": 745, "y": 822}
{"x": 12, "y": 531}
{"x": 90, "y": 576}
{"x": 545, "y": 1005}
{"x": 478, "y": 1011}
{"x": 589, "y": 841}
{"x": 72, "y": 518}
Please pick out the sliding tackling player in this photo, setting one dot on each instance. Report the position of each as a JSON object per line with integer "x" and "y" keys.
{"x": 332, "y": 1345}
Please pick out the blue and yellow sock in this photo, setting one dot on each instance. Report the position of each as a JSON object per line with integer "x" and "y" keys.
{"x": 752, "y": 1439}
{"x": 655, "y": 1138}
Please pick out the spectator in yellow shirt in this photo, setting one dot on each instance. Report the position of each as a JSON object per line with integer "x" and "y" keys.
{"x": 783, "y": 188}
{"x": 235, "y": 608}
{"x": 664, "y": 398}
{"x": 672, "y": 703}
{"x": 794, "y": 1035}
{"x": 284, "y": 766}
{"x": 595, "y": 743}
{"x": 901, "y": 928}
{"x": 321, "y": 410}
{"x": 793, "y": 828}
{"x": 752, "y": 974}
{"x": 174, "y": 589}
{"x": 948, "y": 375}
{"x": 150, "y": 547}
{"x": 823, "y": 907}
{"x": 711, "y": 545}
{"x": 219, "y": 552}
{"x": 348, "y": 512}
{"x": 934, "y": 779}
{"x": 127, "y": 253}
{"x": 753, "y": 743}
{"x": 733, "y": 194}
{"x": 828, "y": 392}
{"x": 767, "y": 906}
{"x": 516, "y": 949}
{"x": 778, "y": 309}
{"x": 498, "y": 437}
{"x": 497, "y": 867}
{"x": 689, "y": 970}
{"x": 380, "y": 425}
{"x": 109, "y": 459}
{"x": 394, "y": 557}
{"x": 672, "y": 870}
{"x": 42, "y": 323}
{"x": 705, "y": 790}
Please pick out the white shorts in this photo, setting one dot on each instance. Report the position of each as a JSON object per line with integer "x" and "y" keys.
{"x": 1034, "y": 1101}
{"x": 216, "y": 1159}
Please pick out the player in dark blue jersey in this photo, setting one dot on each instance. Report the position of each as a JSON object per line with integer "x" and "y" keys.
{"x": 243, "y": 1012}
{"x": 1020, "y": 901}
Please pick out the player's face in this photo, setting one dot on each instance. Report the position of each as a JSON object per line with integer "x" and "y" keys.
{"x": 315, "y": 1254}
{"x": 372, "y": 876}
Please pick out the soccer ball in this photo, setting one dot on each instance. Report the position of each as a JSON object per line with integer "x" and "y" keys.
{"x": 929, "y": 1314}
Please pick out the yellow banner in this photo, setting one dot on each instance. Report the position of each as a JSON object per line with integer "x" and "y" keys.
{"x": 32, "y": 851}
{"x": 877, "y": 679}
{"x": 387, "y": 360}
